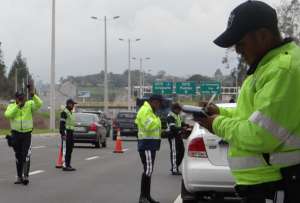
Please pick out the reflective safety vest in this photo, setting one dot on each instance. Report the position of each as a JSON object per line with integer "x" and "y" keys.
{"x": 21, "y": 118}
{"x": 149, "y": 125}
{"x": 178, "y": 120}
{"x": 263, "y": 131}
{"x": 70, "y": 121}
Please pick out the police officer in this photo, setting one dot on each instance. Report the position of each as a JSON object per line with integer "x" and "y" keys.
{"x": 175, "y": 125}
{"x": 66, "y": 129}
{"x": 149, "y": 132}
{"x": 20, "y": 115}
{"x": 263, "y": 131}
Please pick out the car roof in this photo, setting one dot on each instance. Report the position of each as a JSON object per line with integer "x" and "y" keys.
{"x": 82, "y": 113}
{"x": 227, "y": 105}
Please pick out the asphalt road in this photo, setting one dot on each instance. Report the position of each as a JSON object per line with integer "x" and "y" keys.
{"x": 101, "y": 176}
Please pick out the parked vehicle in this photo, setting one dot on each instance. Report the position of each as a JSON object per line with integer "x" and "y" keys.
{"x": 125, "y": 121}
{"x": 104, "y": 120}
{"x": 88, "y": 129}
{"x": 205, "y": 170}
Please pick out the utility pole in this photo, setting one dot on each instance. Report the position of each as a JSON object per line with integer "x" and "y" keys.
{"x": 52, "y": 71}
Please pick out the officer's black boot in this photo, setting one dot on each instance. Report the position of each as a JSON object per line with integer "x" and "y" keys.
{"x": 143, "y": 196}
{"x": 148, "y": 186}
{"x": 26, "y": 168}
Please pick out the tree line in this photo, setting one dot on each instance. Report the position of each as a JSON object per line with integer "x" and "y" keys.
{"x": 16, "y": 78}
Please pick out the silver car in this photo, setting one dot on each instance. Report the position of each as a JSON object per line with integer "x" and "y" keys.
{"x": 205, "y": 171}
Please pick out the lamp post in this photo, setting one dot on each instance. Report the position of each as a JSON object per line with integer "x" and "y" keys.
{"x": 105, "y": 60}
{"x": 129, "y": 69}
{"x": 52, "y": 71}
{"x": 142, "y": 76}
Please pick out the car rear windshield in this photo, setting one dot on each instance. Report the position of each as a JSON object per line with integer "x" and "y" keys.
{"x": 127, "y": 115}
{"x": 85, "y": 118}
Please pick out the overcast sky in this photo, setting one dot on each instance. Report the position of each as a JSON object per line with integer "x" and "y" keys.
{"x": 176, "y": 34}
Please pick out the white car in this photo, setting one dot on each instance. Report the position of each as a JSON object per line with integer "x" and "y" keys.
{"x": 205, "y": 170}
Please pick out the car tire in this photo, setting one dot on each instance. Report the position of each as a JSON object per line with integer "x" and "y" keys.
{"x": 186, "y": 196}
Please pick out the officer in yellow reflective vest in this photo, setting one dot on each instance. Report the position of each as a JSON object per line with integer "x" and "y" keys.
{"x": 175, "y": 125}
{"x": 263, "y": 131}
{"x": 66, "y": 129}
{"x": 149, "y": 132}
{"x": 21, "y": 122}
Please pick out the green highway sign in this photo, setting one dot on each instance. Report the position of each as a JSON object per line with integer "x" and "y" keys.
{"x": 187, "y": 88}
{"x": 162, "y": 87}
{"x": 210, "y": 87}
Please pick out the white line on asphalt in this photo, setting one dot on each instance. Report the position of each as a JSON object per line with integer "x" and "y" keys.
{"x": 124, "y": 150}
{"x": 38, "y": 147}
{"x": 178, "y": 200}
{"x": 36, "y": 172}
{"x": 91, "y": 158}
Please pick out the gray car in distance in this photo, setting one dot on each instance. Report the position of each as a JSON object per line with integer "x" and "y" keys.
{"x": 88, "y": 129}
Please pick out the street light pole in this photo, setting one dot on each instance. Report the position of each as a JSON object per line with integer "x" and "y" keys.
{"x": 105, "y": 61}
{"x": 141, "y": 77}
{"x": 105, "y": 69}
{"x": 52, "y": 71}
{"x": 129, "y": 77}
{"x": 129, "y": 69}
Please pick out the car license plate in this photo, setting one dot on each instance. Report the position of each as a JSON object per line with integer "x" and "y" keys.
{"x": 80, "y": 129}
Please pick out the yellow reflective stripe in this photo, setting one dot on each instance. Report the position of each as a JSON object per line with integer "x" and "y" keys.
{"x": 289, "y": 140}
{"x": 238, "y": 163}
{"x": 149, "y": 138}
{"x": 285, "y": 158}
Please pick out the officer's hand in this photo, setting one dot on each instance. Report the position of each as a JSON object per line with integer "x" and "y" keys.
{"x": 207, "y": 122}
{"x": 211, "y": 109}
{"x": 30, "y": 87}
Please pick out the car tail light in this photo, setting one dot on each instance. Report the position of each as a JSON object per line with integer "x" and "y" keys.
{"x": 197, "y": 148}
{"x": 93, "y": 127}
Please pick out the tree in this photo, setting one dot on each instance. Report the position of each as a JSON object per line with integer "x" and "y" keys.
{"x": 289, "y": 19}
{"x": 19, "y": 71}
{"x": 3, "y": 79}
{"x": 218, "y": 75}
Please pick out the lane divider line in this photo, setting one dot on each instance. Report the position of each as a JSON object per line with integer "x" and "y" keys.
{"x": 91, "y": 158}
{"x": 36, "y": 172}
{"x": 124, "y": 150}
{"x": 38, "y": 147}
{"x": 178, "y": 200}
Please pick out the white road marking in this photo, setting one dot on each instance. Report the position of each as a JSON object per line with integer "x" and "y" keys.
{"x": 36, "y": 172}
{"x": 178, "y": 200}
{"x": 91, "y": 158}
{"x": 124, "y": 150}
{"x": 38, "y": 147}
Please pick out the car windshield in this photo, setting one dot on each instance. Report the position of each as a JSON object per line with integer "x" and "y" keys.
{"x": 85, "y": 118}
{"x": 127, "y": 115}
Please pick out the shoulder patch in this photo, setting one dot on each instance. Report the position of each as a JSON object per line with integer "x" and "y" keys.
{"x": 285, "y": 61}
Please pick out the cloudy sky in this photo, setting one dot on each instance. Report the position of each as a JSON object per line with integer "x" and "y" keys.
{"x": 176, "y": 34}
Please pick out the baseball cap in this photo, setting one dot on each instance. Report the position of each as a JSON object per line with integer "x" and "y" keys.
{"x": 19, "y": 94}
{"x": 71, "y": 101}
{"x": 156, "y": 97}
{"x": 248, "y": 16}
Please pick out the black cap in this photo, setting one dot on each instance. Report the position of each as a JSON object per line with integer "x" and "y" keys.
{"x": 70, "y": 101}
{"x": 19, "y": 94}
{"x": 157, "y": 97}
{"x": 247, "y": 17}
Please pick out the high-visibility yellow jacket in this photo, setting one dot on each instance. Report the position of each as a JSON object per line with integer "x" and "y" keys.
{"x": 263, "y": 131}
{"x": 149, "y": 128}
{"x": 21, "y": 118}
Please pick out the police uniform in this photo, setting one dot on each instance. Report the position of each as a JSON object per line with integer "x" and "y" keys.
{"x": 66, "y": 129}
{"x": 174, "y": 123}
{"x": 263, "y": 131}
{"x": 21, "y": 123}
{"x": 149, "y": 131}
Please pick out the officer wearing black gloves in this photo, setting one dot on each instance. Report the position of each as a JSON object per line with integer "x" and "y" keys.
{"x": 175, "y": 125}
{"x": 20, "y": 115}
{"x": 66, "y": 128}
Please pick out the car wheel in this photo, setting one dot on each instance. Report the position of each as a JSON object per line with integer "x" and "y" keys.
{"x": 186, "y": 196}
